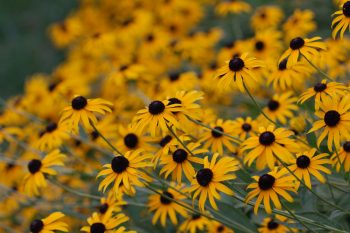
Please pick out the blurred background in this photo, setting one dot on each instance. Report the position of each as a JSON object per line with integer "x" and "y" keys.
{"x": 25, "y": 47}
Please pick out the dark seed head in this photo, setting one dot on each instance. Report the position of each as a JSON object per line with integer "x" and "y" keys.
{"x": 196, "y": 216}
{"x": 52, "y": 86}
{"x": 34, "y": 166}
{"x": 163, "y": 198}
{"x": 204, "y": 176}
{"x": 174, "y": 76}
{"x": 94, "y": 135}
{"x": 131, "y": 140}
{"x": 266, "y": 182}
{"x": 247, "y": 127}
{"x": 216, "y": 134}
{"x": 319, "y": 87}
{"x": 236, "y": 64}
{"x": 51, "y": 127}
{"x": 266, "y": 138}
{"x": 9, "y": 166}
{"x": 124, "y": 67}
{"x": 103, "y": 208}
{"x": 303, "y": 161}
{"x": 220, "y": 228}
{"x": 346, "y": 146}
{"x": 331, "y": 118}
{"x": 165, "y": 140}
{"x": 150, "y": 38}
{"x": 174, "y": 101}
{"x": 272, "y": 225}
{"x": 283, "y": 64}
{"x": 296, "y": 43}
{"x": 36, "y": 226}
{"x": 156, "y": 107}
{"x": 97, "y": 227}
{"x": 259, "y": 45}
{"x": 180, "y": 156}
{"x": 79, "y": 102}
{"x": 119, "y": 164}
{"x": 273, "y": 105}
{"x": 346, "y": 9}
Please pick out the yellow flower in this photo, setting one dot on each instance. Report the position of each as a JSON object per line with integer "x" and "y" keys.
{"x": 52, "y": 137}
{"x": 299, "y": 24}
{"x": 49, "y": 224}
{"x": 266, "y": 17}
{"x": 342, "y": 20}
{"x": 233, "y": 6}
{"x": 194, "y": 224}
{"x": 342, "y": 158}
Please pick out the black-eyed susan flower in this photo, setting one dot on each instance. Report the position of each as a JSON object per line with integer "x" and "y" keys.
{"x": 52, "y": 137}
{"x": 232, "y": 6}
{"x": 35, "y": 179}
{"x": 157, "y": 117}
{"x": 269, "y": 143}
{"x": 281, "y": 107}
{"x": 266, "y": 17}
{"x": 307, "y": 163}
{"x": 342, "y": 20}
{"x": 106, "y": 223}
{"x": 238, "y": 70}
{"x": 321, "y": 90}
{"x": 245, "y": 127}
{"x": 126, "y": 171}
{"x": 217, "y": 227}
{"x": 194, "y": 224}
{"x": 266, "y": 45}
{"x": 300, "y": 23}
{"x": 111, "y": 203}
{"x": 180, "y": 161}
{"x": 285, "y": 77}
{"x": 309, "y": 48}
{"x": 269, "y": 187}
{"x": 342, "y": 158}
{"x": 217, "y": 141}
{"x": 131, "y": 138}
{"x": 163, "y": 207}
{"x": 50, "y": 224}
{"x": 209, "y": 180}
{"x": 83, "y": 110}
{"x": 276, "y": 224}
{"x": 334, "y": 121}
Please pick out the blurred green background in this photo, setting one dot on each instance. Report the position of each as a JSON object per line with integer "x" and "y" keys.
{"x": 25, "y": 47}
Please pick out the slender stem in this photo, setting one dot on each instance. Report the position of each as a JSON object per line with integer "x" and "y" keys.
{"x": 178, "y": 139}
{"x": 318, "y": 69}
{"x": 295, "y": 217}
{"x": 214, "y": 130}
{"x": 106, "y": 140}
{"x": 257, "y": 105}
{"x": 302, "y": 182}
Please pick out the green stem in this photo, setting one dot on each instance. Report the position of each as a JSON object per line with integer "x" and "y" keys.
{"x": 295, "y": 217}
{"x": 106, "y": 140}
{"x": 318, "y": 69}
{"x": 178, "y": 139}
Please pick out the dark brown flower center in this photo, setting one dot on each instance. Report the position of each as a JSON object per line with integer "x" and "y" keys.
{"x": 273, "y": 105}
{"x": 296, "y": 43}
{"x": 174, "y": 76}
{"x": 119, "y": 164}
{"x": 247, "y": 127}
{"x": 156, "y": 107}
{"x": 51, "y": 127}
{"x": 266, "y": 182}
{"x": 174, "y": 101}
{"x": 131, "y": 140}
{"x": 79, "y": 102}
{"x": 97, "y": 227}
{"x": 283, "y": 64}
{"x": 259, "y": 45}
{"x": 216, "y": 134}
{"x": 236, "y": 64}
{"x": 36, "y": 226}
{"x": 204, "y": 176}
{"x": 180, "y": 156}
{"x": 267, "y": 138}
{"x": 165, "y": 141}
{"x": 164, "y": 198}
{"x": 319, "y": 87}
{"x": 103, "y": 208}
{"x": 271, "y": 225}
{"x": 34, "y": 166}
{"x": 303, "y": 161}
{"x": 346, "y": 9}
{"x": 331, "y": 118}
{"x": 346, "y": 146}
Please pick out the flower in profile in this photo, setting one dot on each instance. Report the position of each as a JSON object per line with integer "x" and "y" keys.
{"x": 308, "y": 163}
{"x": 111, "y": 203}
{"x": 342, "y": 20}
{"x": 180, "y": 160}
{"x": 245, "y": 127}
{"x": 270, "y": 186}
{"x": 83, "y": 110}
{"x": 157, "y": 116}
{"x": 309, "y": 48}
{"x": 217, "y": 227}
{"x": 194, "y": 223}
{"x": 209, "y": 180}
{"x": 276, "y": 224}
{"x": 269, "y": 143}
{"x": 321, "y": 90}
{"x": 239, "y": 70}
{"x": 50, "y": 224}
{"x": 342, "y": 158}
{"x": 232, "y": 6}
{"x": 52, "y": 137}
{"x": 163, "y": 206}
{"x": 335, "y": 121}
{"x": 281, "y": 107}
{"x": 38, "y": 169}
{"x": 106, "y": 223}
{"x": 126, "y": 171}
{"x": 217, "y": 141}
